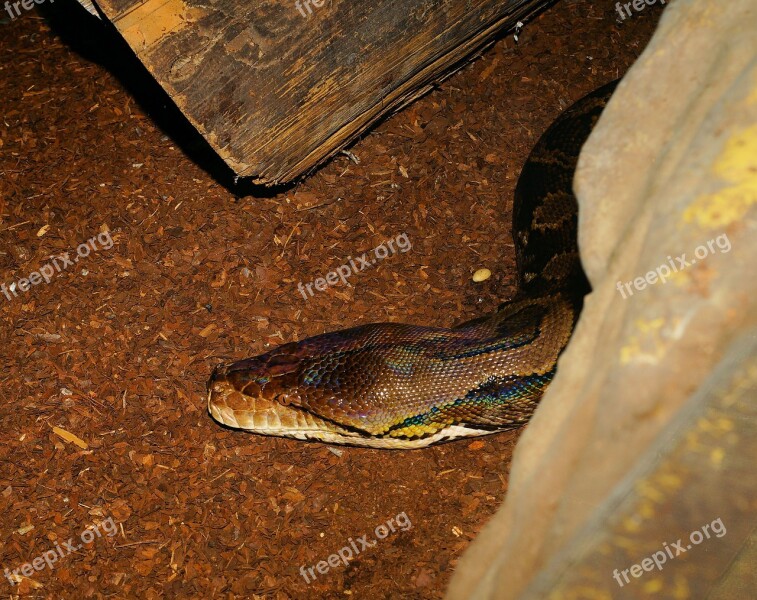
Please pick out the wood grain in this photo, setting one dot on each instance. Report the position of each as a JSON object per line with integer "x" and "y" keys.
{"x": 276, "y": 89}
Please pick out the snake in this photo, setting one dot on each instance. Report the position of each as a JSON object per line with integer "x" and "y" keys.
{"x": 394, "y": 385}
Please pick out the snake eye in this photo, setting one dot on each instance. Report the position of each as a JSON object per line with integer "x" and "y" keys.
{"x": 286, "y": 399}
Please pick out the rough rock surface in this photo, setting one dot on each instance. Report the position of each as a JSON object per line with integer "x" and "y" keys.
{"x": 671, "y": 167}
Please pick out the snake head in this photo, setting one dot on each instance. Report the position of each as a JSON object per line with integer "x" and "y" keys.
{"x": 261, "y": 394}
{"x": 394, "y": 385}
{"x": 301, "y": 390}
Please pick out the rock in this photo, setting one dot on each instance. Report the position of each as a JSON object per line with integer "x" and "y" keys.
{"x": 667, "y": 188}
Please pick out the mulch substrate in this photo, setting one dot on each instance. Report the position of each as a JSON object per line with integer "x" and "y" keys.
{"x": 103, "y": 414}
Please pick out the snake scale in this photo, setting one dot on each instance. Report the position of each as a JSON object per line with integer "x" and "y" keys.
{"x": 391, "y": 385}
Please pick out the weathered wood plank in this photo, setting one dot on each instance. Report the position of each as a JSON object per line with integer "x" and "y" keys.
{"x": 277, "y": 86}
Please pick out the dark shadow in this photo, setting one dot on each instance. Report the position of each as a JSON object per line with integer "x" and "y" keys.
{"x": 98, "y": 41}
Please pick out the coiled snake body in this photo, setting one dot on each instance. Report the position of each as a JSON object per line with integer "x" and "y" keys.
{"x": 390, "y": 385}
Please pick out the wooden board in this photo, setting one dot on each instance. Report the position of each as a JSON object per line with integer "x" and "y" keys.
{"x": 278, "y": 86}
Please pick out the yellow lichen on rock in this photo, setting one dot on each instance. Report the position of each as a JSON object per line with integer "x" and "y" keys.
{"x": 646, "y": 346}
{"x": 738, "y": 165}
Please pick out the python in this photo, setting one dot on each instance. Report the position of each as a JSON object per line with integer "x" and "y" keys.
{"x": 394, "y": 385}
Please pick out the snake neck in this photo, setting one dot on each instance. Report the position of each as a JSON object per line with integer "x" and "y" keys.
{"x": 545, "y": 209}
